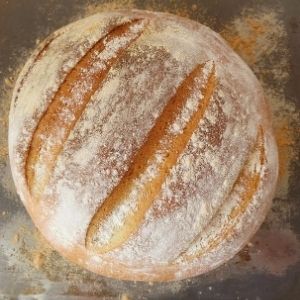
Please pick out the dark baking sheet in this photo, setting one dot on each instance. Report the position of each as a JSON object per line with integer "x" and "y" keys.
{"x": 267, "y": 35}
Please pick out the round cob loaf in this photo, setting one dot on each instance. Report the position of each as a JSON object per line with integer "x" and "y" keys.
{"x": 141, "y": 146}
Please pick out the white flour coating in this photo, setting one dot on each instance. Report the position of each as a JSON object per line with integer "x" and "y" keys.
{"x": 65, "y": 212}
{"x": 199, "y": 188}
{"x": 193, "y": 101}
{"x": 70, "y": 44}
{"x": 112, "y": 46}
{"x": 115, "y": 124}
{"x": 240, "y": 234}
{"x": 221, "y": 223}
{"x": 76, "y": 95}
{"x": 117, "y": 219}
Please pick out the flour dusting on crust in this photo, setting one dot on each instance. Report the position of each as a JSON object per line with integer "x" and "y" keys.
{"x": 115, "y": 124}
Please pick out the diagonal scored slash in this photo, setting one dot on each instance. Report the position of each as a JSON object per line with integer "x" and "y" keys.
{"x": 139, "y": 186}
{"x": 70, "y": 101}
{"x": 249, "y": 180}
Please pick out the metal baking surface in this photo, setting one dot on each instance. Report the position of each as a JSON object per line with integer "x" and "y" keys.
{"x": 267, "y": 35}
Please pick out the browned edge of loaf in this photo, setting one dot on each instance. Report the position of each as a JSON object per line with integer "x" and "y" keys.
{"x": 250, "y": 181}
{"x": 50, "y": 121}
{"x": 172, "y": 147}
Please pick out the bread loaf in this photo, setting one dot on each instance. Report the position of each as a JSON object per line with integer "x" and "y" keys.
{"x": 141, "y": 146}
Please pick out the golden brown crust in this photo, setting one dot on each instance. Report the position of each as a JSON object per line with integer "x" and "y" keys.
{"x": 248, "y": 181}
{"x": 149, "y": 154}
{"x": 51, "y": 120}
{"x": 159, "y": 140}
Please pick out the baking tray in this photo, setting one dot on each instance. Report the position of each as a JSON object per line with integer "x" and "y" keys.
{"x": 267, "y": 36}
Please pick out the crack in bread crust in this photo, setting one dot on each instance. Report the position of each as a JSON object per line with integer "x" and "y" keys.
{"x": 70, "y": 101}
{"x": 249, "y": 181}
{"x": 159, "y": 140}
